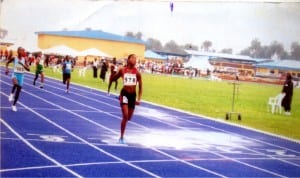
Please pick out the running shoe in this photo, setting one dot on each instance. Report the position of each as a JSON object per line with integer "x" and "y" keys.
{"x": 14, "y": 108}
{"x": 11, "y": 97}
{"x": 121, "y": 141}
{"x": 287, "y": 113}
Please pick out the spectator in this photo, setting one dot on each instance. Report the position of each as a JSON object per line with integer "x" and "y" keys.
{"x": 95, "y": 67}
{"x": 288, "y": 90}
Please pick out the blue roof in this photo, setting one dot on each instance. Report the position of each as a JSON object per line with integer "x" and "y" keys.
{"x": 93, "y": 34}
{"x": 281, "y": 65}
{"x": 153, "y": 55}
{"x": 166, "y": 53}
{"x": 223, "y": 55}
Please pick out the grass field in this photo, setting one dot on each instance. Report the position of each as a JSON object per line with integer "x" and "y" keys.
{"x": 210, "y": 98}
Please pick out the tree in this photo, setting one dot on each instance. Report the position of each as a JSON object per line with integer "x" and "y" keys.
{"x": 130, "y": 34}
{"x": 173, "y": 47}
{"x": 227, "y": 50}
{"x": 255, "y": 48}
{"x": 154, "y": 44}
{"x": 265, "y": 52}
{"x": 258, "y": 51}
{"x": 276, "y": 48}
{"x": 246, "y": 52}
{"x": 3, "y": 33}
{"x": 206, "y": 45}
{"x": 295, "y": 51}
{"x": 190, "y": 47}
{"x": 138, "y": 35}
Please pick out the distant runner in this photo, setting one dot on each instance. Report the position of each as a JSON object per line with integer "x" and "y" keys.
{"x": 67, "y": 69}
{"x": 39, "y": 71}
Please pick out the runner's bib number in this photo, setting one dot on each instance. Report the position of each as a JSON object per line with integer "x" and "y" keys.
{"x": 19, "y": 68}
{"x": 68, "y": 66}
{"x": 129, "y": 79}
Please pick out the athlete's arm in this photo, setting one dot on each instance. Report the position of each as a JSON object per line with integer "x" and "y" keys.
{"x": 139, "y": 80}
{"x": 114, "y": 78}
{"x": 117, "y": 75}
{"x": 10, "y": 59}
{"x": 26, "y": 66}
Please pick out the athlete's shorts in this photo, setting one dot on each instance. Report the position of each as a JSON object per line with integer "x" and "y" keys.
{"x": 38, "y": 72}
{"x": 19, "y": 77}
{"x": 39, "y": 69}
{"x": 127, "y": 98}
{"x": 66, "y": 76}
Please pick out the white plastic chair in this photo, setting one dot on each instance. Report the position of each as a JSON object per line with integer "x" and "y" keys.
{"x": 275, "y": 103}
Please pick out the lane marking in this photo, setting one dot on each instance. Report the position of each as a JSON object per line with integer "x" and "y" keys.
{"x": 38, "y": 151}
{"x": 182, "y": 128}
{"x": 79, "y": 138}
{"x": 54, "y": 80}
{"x": 84, "y": 118}
{"x": 185, "y": 129}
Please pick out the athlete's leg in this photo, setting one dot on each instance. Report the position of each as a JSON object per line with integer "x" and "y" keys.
{"x": 130, "y": 113}
{"x": 19, "y": 88}
{"x": 35, "y": 78}
{"x": 124, "y": 108}
{"x": 109, "y": 85}
{"x": 15, "y": 84}
{"x": 20, "y": 80}
{"x": 64, "y": 78}
{"x": 68, "y": 84}
{"x": 42, "y": 79}
{"x": 116, "y": 84}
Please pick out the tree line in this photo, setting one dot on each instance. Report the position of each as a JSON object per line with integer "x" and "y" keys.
{"x": 255, "y": 50}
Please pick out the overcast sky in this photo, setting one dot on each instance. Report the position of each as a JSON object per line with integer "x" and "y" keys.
{"x": 226, "y": 24}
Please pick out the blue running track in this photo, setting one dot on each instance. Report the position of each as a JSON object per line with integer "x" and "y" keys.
{"x": 58, "y": 134}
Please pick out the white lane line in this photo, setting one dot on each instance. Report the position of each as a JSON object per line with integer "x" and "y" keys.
{"x": 84, "y": 105}
{"x": 182, "y": 128}
{"x": 39, "y": 151}
{"x": 100, "y": 125}
{"x": 218, "y": 154}
{"x": 192, "y": 114}
{"x": 243, "y": 147}
{"x": 132, "y": 146}
{"x": 154, "y": 149}
{"x": 187, "y": 120}
{"x": 46, "y": 135}
{"x": 79, "y": 138}
{"x": 173, "y": 157}
{"x": 207, "y": 150}
{"x": 28, "y": 168}
{"x": 97, "y": 163}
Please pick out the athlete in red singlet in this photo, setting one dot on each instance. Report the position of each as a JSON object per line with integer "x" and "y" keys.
{"x": 131, "y": 77}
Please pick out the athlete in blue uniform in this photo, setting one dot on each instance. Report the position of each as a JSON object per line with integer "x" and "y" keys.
{"x": 20, "y": 65}
{"x": 67, "y": 69}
